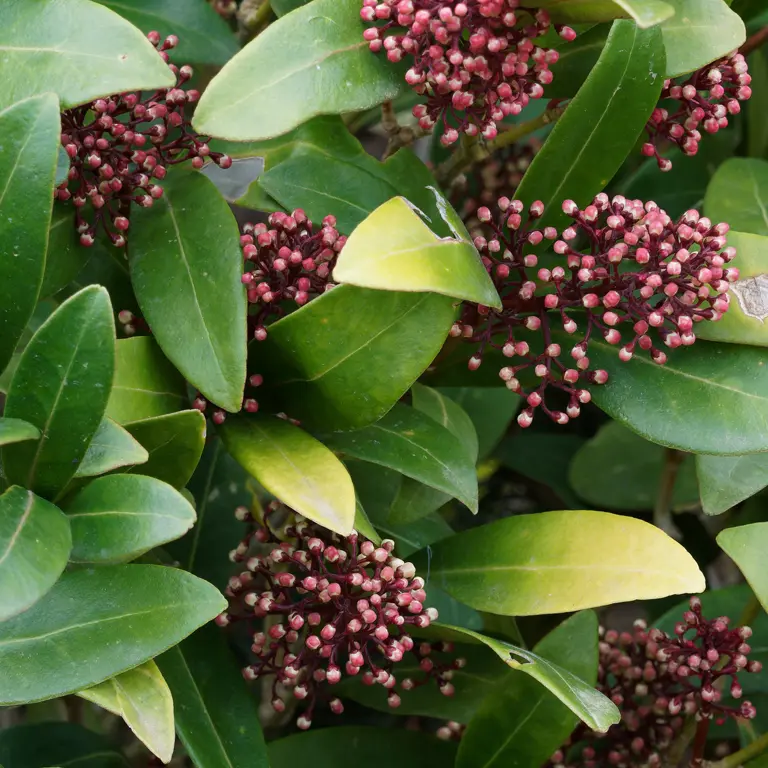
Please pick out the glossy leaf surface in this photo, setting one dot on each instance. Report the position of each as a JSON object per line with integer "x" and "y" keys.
{"x": 724, "y": 481}
{"x": 645, "y": 12}
{"x": 17, "y": 431}
{"x": 746, "y": 546}
{"x": 66, "y": 257}
{"x": 448, "y": 414}
{"x": 738, "y": 194}
{"x": 111, "y": 447}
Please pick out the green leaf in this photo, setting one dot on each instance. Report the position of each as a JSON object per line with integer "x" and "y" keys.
{"x": 34, "y": 548}
{"x": 371, "y": 747}
{"x": 142, "y": 698}
{"x": 95, "y": 624}
{"x": 186, "y": 269}
{"x": 204, "y": 37}
{"x": 295, "y": 467}
{"x": 415, "y": 500}
{"x": 17, "y": 431}
{"x": 111, "y": 447}
{"x": 78, "y": 50}
{"x": 645, "y": 12}
{"x": 216, "y": 717}
{"x": 281, "y": 7}
{"x": 411, "y": 443}
{"x": 41, "y": 745}
{"x": 414, "y": 535}
{"x": 30, "y": 131}
{"x": 394, "y": 249}
{"x": 521, "y": 723}
{"x": 718, "y": 32}
{"x": 738, "y": 194}
{"x": 618, "y": 469}
{"x": 120, "y": 517}
{"x": 327, "y": 69}
{"x": 757, "y": 130}
{"x": 588, "y": 704}
{"x": 529, "y": 565}
{"x": 146, "y": 384}
{"x": 746, "y": 546}
{"x": 334, "y": 374}
{"x": 576, "y": 62}
{"x": 174, "y": 443}
{"x": 62, "y": 389}
{"x": 448, "y": 414}
{"x": 363, "y": 525}
{"x": 601, "y": 125}
{"x": 724, "y": 481}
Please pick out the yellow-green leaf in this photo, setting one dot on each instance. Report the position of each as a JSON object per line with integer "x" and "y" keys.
{"x": 746, "y": 546}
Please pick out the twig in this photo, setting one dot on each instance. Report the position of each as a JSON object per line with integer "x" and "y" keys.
{"x": 754, "y": 41}
{"x": 399, "y": 136}
{"x": 662, "y": 511}
{"x": 700, "y": 743}
{"x": 738, "y": 759}
{"x": 251, "y": 17}
{"x": 680, "y": 745}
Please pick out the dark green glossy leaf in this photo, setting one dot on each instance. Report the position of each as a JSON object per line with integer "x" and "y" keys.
{"x": 174, "y": 442}
{"x": 411, "y": 443}
{"x": 327, "y": 69}
{"x": 618, "y": 469}
{"x": 146, "y": 384}
{"x": 295, "y": 467}
{"x": 746, "y": 546}
{"x": 76, "y": 49}
{"x": 111, "y": 447}
{"x": 363, "y": 525}
{"x": 30, "y": 131}
{"x": 724, "y": 481}
{"x": 757, "y": 129}
{"x": 600, "y": 126}
{"x": 576, "y": 62}
{"x": 547, "y": 563}
{"x": 415, "y": 500}
{"x": 371, "y": 747}
{"x": 216, "y": 717}
{"x": 186, "y": 271}
{"x": 96, "y": 623}
{"x": 120, "y": 517}
{"x": 204, "y": 37}
{"x": 42, "y": 312}
{"x": 63, "y": 390}
{"x": 34, "y": 547}
{"x": 41, "y": 745}
{"x": 645, "y": 12}
{"x": 16, "y": 431}
{"x": 521, "y": 723}
{"x": 334, "y": 374}
{"x": 66, "y": 257}
{"x": 414, "y": 535}
{"x": 738, "y": 194}
{"x": 448, "y": 414}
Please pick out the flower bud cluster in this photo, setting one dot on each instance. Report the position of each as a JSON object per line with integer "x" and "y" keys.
{"x": 120, "y": 147}
{"x": 705, "y": 100}
{"x": 474, "y": 60}
{"x": 319, "y": 606}
{"x": 656, "y": 680}
{"x": 628, "y": 266}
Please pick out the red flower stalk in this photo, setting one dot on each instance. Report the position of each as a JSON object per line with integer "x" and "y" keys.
{"x": 334, "y": 606}
{"x": 120, "y": 146}
{"x": 706, "y": 98}
{"x": 627, "y": 265}
{"x": 474, "y": 60}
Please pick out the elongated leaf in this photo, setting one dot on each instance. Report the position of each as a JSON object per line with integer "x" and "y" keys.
{"x": 95, "y": 624}
{"x": 724, "y": 481}
{"x": 66, "y": 257}
{"x": 62, "y": 389}
{"x": 40, "y": 745}
{"x": 204, "y": 37}
{"x": 120, "y": 517}
{"x": 757, "y": 131}
{"x": 395, "y": 250}
{"x": 295, "y": 467}
{"x": 547, "y": 563}
{"x": 186, "y": 272}
{"x": 111, "y": 447}
{"x": 327, "y": 70}
{"x": 411, "y": 443}
{"x": 646, "y": 13}
{"x": 576, "y": 62}
{"x": 718, "y": 31}
{"x": 77, "y": 50}
{"x": 30, "y": 131}
{"x": 146, "y": 384}
{"x": 314, "y": 360}
{"x": 521, "y": 723}
{"x": 447, "y": 413}
{"x": 216, "y": 717}
{"x": 175, "y": 443}
{"x": 746, "y": 546}
{"x": 600, "y": 126}
{"x": 617, "y": 469}
{"x": 34, "y": 547}
{"x": 17, "y": 431}
{"x": 363, "y": 525}
{"x": 373, "y": 747}
{"x": 411, "y": 536}
{"x": 738, "y": 194}
{"x": 142, "y": 698}
{"x": 414, "y": 501}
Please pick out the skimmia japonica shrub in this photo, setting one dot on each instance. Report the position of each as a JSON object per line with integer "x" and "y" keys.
{"x": 329, "y": 273}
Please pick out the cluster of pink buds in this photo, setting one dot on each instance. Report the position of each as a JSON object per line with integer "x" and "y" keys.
{"x": 657, "y": 680}
{"x": 705, "y": 98}
{"x": 120, "y": 147}
{"x": 451, "y": 731}
{"x": 287, "y": 259}
{"x": 321, "y": 606}
{"x": 627, "y": 265}
{"x": 474, "y": 60}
